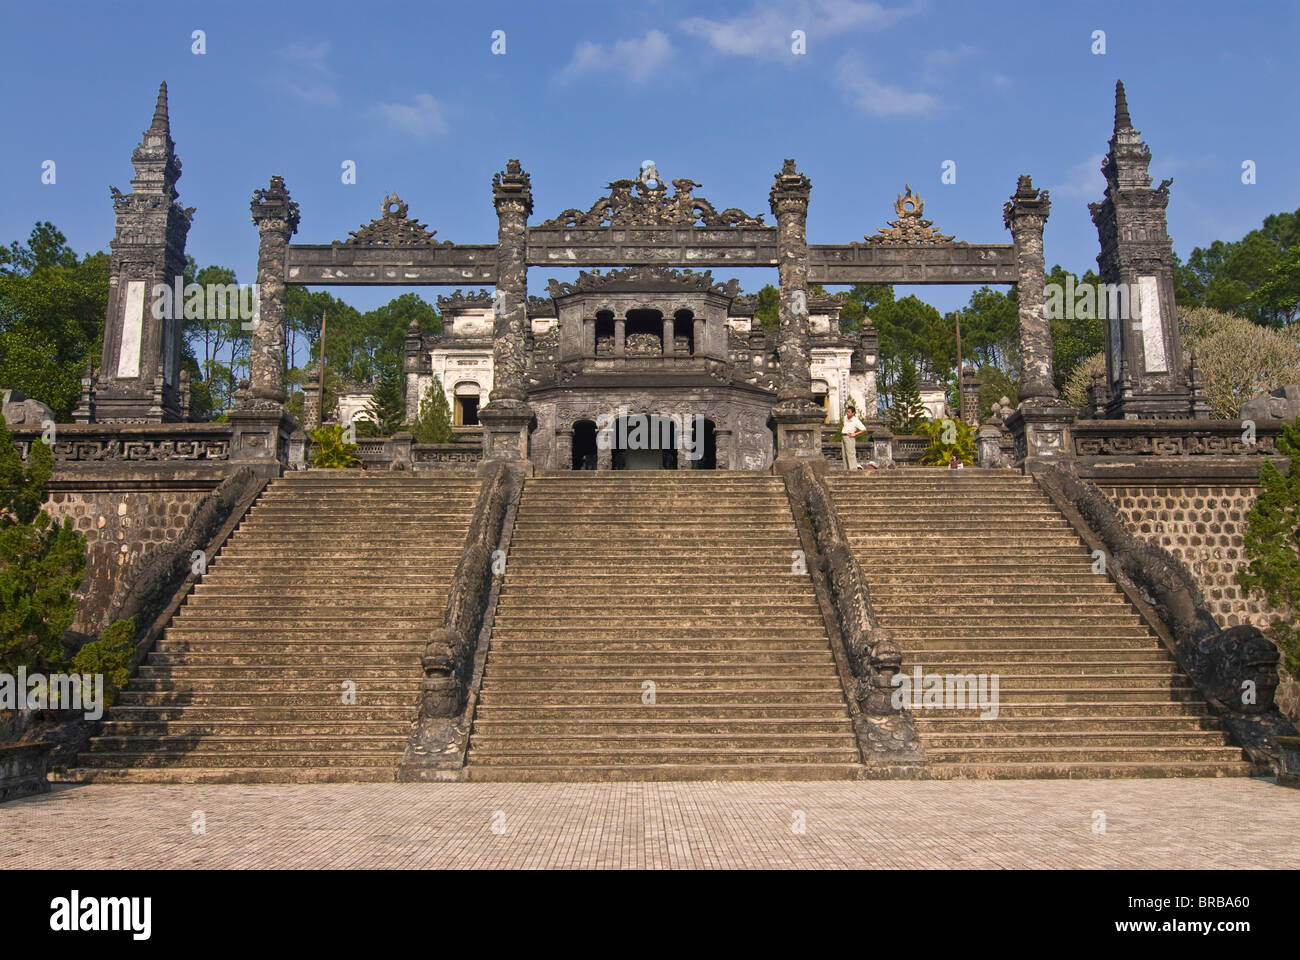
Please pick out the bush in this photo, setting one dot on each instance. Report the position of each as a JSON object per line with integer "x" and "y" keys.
{"x": 1272, "y": 544}
{"x": 950, "y": 439}
{"x": 329, "y": 451}
{"x": 1238, "y": 358}
{"x": 433, "y": 425}
{"x": 1075, "y": 392}
{"x": 41, "y": 562}
{"x": 110, "y": 655}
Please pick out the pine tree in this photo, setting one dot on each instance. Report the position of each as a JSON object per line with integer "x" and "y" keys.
{"x": 1272, "y": 543}
{"x": 387, "y": 406}
{"x": 433, "y": 425}
{"x": 907, "y": 412}
{"x": 41, "y": 562}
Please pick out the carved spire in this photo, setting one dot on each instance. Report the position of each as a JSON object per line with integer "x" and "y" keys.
{"x": 1122, "y": 120}
{"x": 161, "y": 121}
{"x": 157, "y": 168}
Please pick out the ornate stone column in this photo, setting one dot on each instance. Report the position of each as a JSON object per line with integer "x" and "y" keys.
{"x": 507, "y": 415}
{"x": 563, "y": 449}
{"x": 276, "y": 216}
{"x": 620, "y": 337}
{"x": 797, "y": 415}
{"x": 1041, "y": 423}
{"x": 1024, "y": 215}
{"x": 589, "y": 337}
{"x": 697, "y": 345}
{"x": 669, "y": 336}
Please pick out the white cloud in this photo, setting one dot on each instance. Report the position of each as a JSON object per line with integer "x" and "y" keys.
{"x": 1084, "y": 179}
{"x": 421, "y": 118}
{"x": 881, "y": 99}
{"x": 636, "y": 60}
{"x": 306, "y": 72}
{"x": 764, "y": 30}
{"x": 938, "y": 62}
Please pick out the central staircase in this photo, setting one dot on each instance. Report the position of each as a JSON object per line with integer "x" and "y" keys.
{"x": 616, "y": 581}
{"x": 976, "y": 571}
{"x": 333, "y": 577}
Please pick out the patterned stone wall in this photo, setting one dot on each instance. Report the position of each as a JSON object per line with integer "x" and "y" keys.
{"x": 1204, "y": 527}
{"x": 118, "y": 526}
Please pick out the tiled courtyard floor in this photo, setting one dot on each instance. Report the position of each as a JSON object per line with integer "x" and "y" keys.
{"x": 1194, "y": 823}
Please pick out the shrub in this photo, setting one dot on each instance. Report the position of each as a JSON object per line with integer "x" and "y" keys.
{"x": 330, "y": 451}
{"x": 1272, "y": 544}
{"x": 110, "y": 655}
{"x": 950, "y": 439}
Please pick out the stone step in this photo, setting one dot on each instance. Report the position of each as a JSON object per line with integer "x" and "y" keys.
{"x": 1062, "y": 770}
{"x": 187, "y": 727}
{"x": 677, "y": 754}
{"x": 246, "y": 758}
{"x": 172, "y": 745}
{"x": 385, "y": 772}
{"x": 334, "y": 715}
{"x": 502, "y": 745}
{"x": 1088, "y": 754}
{"x": 661, "y": 770}
{"x": 1075, "y": 740}
{"x": 931, "y": 724}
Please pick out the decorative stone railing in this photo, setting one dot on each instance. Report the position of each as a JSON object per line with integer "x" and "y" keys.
{"x": 401, "y": 452}
{"x": 865, "y": 651}
{"x": 453, "y": 655}
{"x": 1235, "y": 669}
{"x": 1174, "y": 438}
{"x": 131, "y": 442}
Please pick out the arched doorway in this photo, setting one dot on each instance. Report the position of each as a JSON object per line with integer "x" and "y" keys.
{"x": 706, "y": 445}
{"x": 643, "y": 441}
{"x": 584, "y": 445}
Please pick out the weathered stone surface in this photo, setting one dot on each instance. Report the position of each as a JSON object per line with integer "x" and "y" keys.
{"x": 18, "y": 411}
{"x": 1025, "y": 215}
{"x": 1236, "y": 668}
{"x": 276, "y": 216}
{"x": 1280, "y": 404}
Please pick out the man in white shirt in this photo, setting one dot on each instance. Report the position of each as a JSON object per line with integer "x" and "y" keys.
{"x": 852, "y": 427}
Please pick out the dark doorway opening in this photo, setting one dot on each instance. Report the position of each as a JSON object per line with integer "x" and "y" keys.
{"x": 584, "y": 445}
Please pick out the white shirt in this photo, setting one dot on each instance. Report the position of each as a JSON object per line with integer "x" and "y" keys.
{"x": 853, "y": 425}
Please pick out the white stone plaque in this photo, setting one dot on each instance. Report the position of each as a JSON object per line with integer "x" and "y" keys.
{"x": 1153, "y": 337}
{"x": 128, "y": 355}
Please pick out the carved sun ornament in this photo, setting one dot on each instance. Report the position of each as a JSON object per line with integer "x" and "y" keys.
{"x": 910, "y": 227}
{"x": 393, "y": 228}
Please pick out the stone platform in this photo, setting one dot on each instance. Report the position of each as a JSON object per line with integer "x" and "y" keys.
{"x": 1149, "y": 824}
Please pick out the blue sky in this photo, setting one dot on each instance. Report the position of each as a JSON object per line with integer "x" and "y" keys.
{"x": 584, "y": 92}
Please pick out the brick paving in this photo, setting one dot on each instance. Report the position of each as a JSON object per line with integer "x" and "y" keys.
{"x": 1201, "y": 823}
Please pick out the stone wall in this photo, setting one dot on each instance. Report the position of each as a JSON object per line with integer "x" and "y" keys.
{"x": 119, "y": 526}
{"x": 1204, "y": 527}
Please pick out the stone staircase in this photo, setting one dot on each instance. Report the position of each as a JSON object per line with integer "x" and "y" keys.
{"x": 977, "y": 572}
{"x": 683, "y": 580}
{"x": 333, "y": 576}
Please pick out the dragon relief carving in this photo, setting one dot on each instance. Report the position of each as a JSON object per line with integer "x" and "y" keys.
{"x": 393, "y": 228}
{"x": 644, "y": 202}
{"x": 647, "y": 277}
{"x": 910, "y": 227}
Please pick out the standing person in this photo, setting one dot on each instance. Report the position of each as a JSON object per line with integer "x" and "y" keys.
{"x": 852, "y": 427}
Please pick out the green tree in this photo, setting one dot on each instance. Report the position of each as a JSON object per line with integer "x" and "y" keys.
{"x": 331, "y": 451}
{"x": 52, "y": 309}
{"x": 433, "y": 425}
{"x": 1228, "y": 276}
{"x": 41, "y": 562}
{"x": 950, "y": 439}
{"x": 907, "y": 413}
{"x": 768, "y": 310}
{"x": 1272, "y": 544}
{"x": 387, "y": 406}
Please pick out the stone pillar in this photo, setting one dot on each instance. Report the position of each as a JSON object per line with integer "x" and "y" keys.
{"x": 589, "y": 337}
{"x": 276, "y": 216}
{"x": 1137, "y": 298}
{"x": 1041, "y": 423}
{"x": 620, "y": 337}
{"x": 604, "y": 457}
{"x": 563, "y": 449}
{"x": 698, "y": 348}
{"x": 669, "y": 337}
{"x": 311, "y": 404}
{"x": 969, "y": 394}
{"x": 507, "y": 416}
{"x": 797, "y": 415}
{"x": 138, "y": 378}
{"x": 1024, "y": 215}
{"x": 724, "y": 446}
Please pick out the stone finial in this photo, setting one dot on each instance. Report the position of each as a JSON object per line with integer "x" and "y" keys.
{"x": 1122, "y": 119}
{"x": 161, "y": 122}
